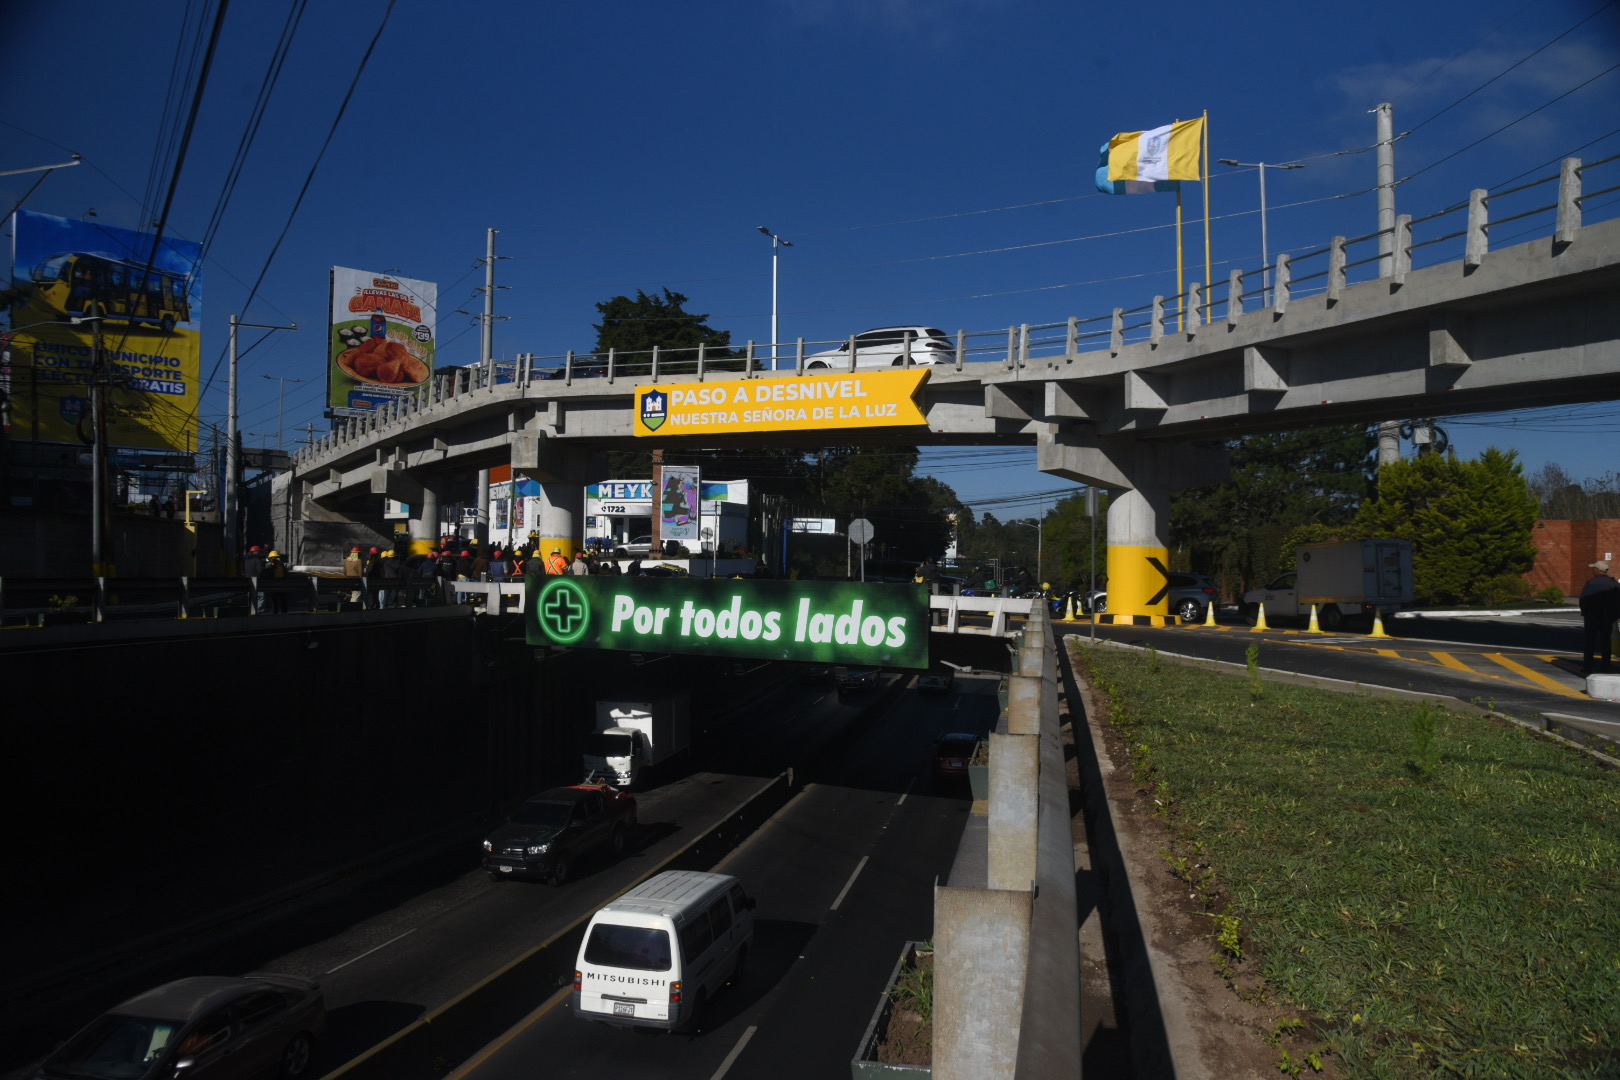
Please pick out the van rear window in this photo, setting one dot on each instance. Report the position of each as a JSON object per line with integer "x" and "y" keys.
{"x": 636, "y": 947}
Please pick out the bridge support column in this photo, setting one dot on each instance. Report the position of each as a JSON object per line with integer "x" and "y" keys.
{"x": 1139, "y": 476}
{"x": 562, "y": 473}
{"x": 424, "y": 522}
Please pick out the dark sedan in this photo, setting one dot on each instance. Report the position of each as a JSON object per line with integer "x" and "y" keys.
{"x": 554, "y": 830}
{"x": 207, "y": 1027}
{"x": 953, "y": 753}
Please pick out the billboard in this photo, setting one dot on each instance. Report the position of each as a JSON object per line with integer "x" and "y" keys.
{"x": 86, "y": 284}
{"x": 678, "y": 511}
{"x": 859, "y": 399}
{"x": 381, "y": 340}
{"x": 827, "y": 622}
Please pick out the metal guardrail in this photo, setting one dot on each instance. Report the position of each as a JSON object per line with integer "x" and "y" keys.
{"x": 34, "y": 602}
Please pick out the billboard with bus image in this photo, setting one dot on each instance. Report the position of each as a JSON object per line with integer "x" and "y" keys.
{"x": 84, "y": 285}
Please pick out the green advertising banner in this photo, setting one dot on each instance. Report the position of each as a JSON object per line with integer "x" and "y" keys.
{"x": 843, "y": 622}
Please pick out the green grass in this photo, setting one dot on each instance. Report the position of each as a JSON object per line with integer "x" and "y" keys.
{"x": 1441, "y": 889}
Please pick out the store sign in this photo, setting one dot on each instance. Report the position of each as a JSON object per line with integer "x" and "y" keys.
{"x": 801, "y": 403}
{"x": 834, "y": 623}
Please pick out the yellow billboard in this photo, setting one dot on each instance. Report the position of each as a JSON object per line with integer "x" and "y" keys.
{"x": 90, "y": 289}
{"x": 858, "y": 399}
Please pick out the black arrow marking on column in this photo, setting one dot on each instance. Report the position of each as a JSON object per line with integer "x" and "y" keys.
{"x": 1162, "y": 593}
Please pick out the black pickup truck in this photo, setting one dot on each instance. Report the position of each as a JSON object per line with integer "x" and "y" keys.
{"x": 552, "y": 831}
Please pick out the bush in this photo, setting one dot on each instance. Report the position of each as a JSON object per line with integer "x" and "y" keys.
{"x": 1552, "y": 594}
{"x": 1501, "y": 589}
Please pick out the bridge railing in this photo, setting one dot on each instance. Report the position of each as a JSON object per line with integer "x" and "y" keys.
{"x": 1555, "y": 202}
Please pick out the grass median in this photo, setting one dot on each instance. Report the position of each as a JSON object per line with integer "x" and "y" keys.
{"x": 1440, "y": 890}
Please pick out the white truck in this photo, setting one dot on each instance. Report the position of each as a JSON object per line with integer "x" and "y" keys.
{"x": 1346, "y": 579}
{"x": 633, "y": 737}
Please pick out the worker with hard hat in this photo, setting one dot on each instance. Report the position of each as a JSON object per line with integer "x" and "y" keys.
{"x": 555, "y": 563}
{"x": 275, "y": 574}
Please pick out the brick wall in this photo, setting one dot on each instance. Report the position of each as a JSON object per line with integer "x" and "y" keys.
{"x": 1565, "y": 548}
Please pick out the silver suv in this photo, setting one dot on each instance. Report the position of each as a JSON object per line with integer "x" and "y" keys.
{"x": 888, "y": 346}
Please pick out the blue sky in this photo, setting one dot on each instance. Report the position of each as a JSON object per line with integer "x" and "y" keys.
{"x": 930, "y": 160}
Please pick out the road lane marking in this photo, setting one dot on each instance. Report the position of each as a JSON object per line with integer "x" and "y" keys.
{"x": 1536, "y": 678}
{"x": 725, "y": 1066}
{"x": 906, "y": 792}
{"x": 845, "y": 891}
{"x": 368, "y": 952}
{"x": 491, "y": 1049}
{"x": 1449, "y": 660}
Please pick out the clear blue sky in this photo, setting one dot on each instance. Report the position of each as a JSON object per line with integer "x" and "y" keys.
{"x": 931, "y": 160}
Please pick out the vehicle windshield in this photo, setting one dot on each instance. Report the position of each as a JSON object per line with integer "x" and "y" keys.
{"x": 550, "y": 814}
{"x": 602, "y": 744}
{"x": 639, "y": 948}
{"x": 113, "y": 1048}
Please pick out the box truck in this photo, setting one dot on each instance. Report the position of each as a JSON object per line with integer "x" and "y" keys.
{"x": 633, "y": 737}
{"x": 1346, "y": 580}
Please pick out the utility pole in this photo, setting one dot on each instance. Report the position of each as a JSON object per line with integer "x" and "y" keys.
{"x": 232, "y": 464}
{"x": 281, "y": 395}
{"x": 1389, "y": 431}
{"x": 487, "y": 334}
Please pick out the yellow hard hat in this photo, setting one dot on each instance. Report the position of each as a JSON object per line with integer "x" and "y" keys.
{"x": 274, "y": 555}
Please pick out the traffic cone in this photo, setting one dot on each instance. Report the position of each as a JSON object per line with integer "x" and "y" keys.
{"x": 1378, "y": 626}
{"x": 1071, "y": 604}
{"x": 1260, "y": 619}
{"x": 1313, "y": 628}
{"x": 1209, "y": 613}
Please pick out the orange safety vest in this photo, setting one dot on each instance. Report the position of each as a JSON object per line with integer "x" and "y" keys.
{"x": 556, "y": 564}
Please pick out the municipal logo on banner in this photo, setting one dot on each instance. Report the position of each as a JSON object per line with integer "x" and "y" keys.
{"x": 654, "y": 409}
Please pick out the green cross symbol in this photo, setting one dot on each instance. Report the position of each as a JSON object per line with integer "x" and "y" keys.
{"x": 564, "y": 612}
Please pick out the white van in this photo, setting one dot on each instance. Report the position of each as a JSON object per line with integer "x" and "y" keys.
{"x": 655, "y": 956}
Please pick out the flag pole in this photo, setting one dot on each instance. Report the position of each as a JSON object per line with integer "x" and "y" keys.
{"x": 1209, "y": 266}
{"x": 1181, "y": 287}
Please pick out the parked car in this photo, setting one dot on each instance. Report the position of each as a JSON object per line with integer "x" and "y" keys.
{"x": 936, "y": 682}
{"x": 207, "y": 1027}
{"x": 641, "y": 545}
{"x": 856, "y": 680}
{"x": 952, "y": 752}
{"x": 553, "y": 831}
{"x": 887, "y": 347}
{"x": 1190, "y": 595}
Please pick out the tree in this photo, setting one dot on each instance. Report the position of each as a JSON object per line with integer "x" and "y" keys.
{"x": 1236, "y": 531}
{"x": 1562, "y": 499}
{"x": 634, "y": 327}
{"x": 1469, "y": 523}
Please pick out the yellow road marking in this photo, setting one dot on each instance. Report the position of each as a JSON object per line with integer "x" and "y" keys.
{"x": 1536, "y": 678}
{"x": 1450, "y": 660}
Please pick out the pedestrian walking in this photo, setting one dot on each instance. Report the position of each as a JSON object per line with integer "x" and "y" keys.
{"x": 389, "y": 580}
{"x": 275, "y": 574}
{"x": 354, "y": 573}
{"x": 1600, "y": 607}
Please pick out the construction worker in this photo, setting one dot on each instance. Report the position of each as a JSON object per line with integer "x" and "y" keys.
{"x": 556, "y": 564}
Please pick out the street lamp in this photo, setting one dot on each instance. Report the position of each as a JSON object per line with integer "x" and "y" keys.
{"x": 1265, "y": 250}
{"x": 775, "y": 242}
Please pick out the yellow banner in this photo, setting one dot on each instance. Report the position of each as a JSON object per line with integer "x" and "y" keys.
{"x": 799, "y": 403}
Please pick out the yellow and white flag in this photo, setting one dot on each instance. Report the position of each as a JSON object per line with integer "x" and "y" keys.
{"x": 1170, "y": 152}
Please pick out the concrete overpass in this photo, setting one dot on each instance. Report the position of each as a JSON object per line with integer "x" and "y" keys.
{"x": 1356, "y": 331}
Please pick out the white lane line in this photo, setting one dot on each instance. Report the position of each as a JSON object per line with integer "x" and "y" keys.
{"x": 906, "y": 792}
{"x": 858, "y": 868}
{"x": 368, "y": 952}
{"x": 725, "y": 1066}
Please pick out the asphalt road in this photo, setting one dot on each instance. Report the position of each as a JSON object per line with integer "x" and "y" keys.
{"x": 843, "y": 875}
{"x": 386, "y": 953}
{"x": 1524, "y": 665}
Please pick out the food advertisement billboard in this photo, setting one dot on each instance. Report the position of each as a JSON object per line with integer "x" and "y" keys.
{"x": 381, "y": 339}
{"x": 82, "y": 284}
{"x": 826, "y": 622}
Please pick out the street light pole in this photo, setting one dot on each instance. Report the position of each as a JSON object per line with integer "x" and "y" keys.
{"x": 1265, "y": 247}
{"x": 775, "y": 241}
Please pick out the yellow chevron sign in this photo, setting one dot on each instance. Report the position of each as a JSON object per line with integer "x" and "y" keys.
{"x": 810, "y": 402}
